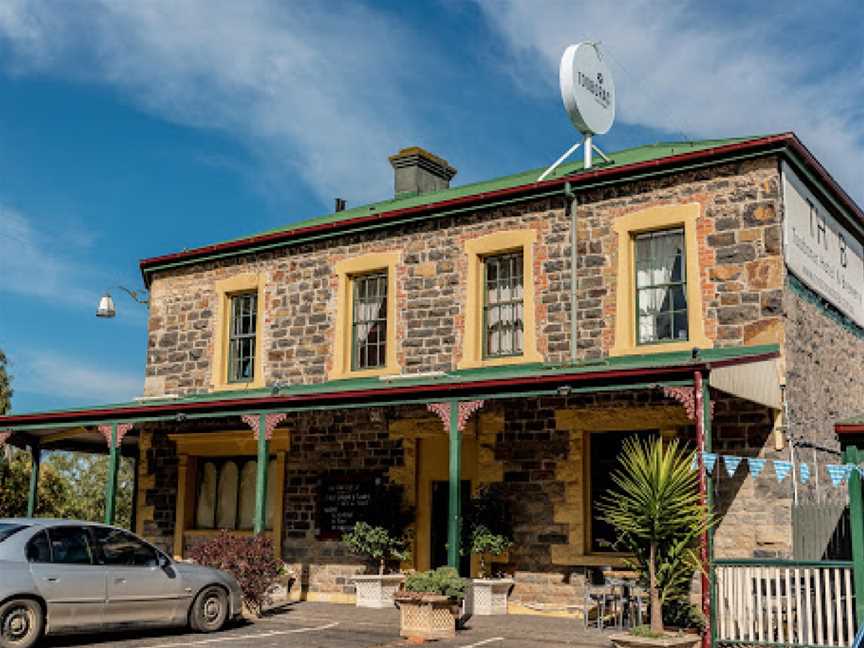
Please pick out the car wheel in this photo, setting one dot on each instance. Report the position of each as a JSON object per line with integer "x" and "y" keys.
{"x": 21, "y": 623}
{"x": 210, "y": 610}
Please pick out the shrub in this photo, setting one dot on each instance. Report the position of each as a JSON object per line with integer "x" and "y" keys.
{"x": 444, "y": 580}
{"x": 484, "y": 542}
{"x": 249, "y": 559}
{"x": 680, "y": 613}
{"x": 377, "y": 543}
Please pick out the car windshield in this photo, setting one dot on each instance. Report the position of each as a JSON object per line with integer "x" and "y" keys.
{"x": 7, "y": 529}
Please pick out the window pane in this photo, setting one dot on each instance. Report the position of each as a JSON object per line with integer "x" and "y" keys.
{"x": 503, "y": 303}
{"x": 369, "y": 321}
{"x": 661, "y": 286}
{"x": 70, "y": 545}
{"x": 37, "y": 549}
{"x": 241, "y": 344}
{"x": 120, "y": 548}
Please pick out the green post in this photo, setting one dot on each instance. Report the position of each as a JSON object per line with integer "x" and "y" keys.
{"x": 709, "y": 504}
{"x": 33, "y": 493}
{"x": 856, "y": 516}
{"x": 261, "y": 481}
{"x": 454, "y": 520}
{"x": 111, "y": 481}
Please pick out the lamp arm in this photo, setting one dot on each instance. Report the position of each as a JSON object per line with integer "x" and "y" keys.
{"x": 134, "y": 295}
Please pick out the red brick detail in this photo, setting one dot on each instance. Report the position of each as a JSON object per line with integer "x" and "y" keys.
{"x": 122, "y": 429}
{"x": 270, "y": 423}
{"x": 466, "y": 409}
{"x": 687, "y": 397}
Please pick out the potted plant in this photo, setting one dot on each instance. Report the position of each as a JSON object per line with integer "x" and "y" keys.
{"x": 430, "y": 604}
{"x": 655, "y": 508}
{"x": 377, "y": 543}
{"x": 490, "y": 537}
{"x": 382, "y": 539}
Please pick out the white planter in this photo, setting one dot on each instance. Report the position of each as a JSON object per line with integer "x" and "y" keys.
{"x": 490, "y": 595}
{"x": 376, "y": 591}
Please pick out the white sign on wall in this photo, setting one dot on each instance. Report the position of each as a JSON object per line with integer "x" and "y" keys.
{"x": 820, "y": 251}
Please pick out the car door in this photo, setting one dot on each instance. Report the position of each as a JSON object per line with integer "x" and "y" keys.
{"x": 66, "y": 575}
{"x": 140, "y": 591}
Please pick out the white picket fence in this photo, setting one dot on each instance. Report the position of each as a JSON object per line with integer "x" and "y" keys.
{"x": 784, "y": 602}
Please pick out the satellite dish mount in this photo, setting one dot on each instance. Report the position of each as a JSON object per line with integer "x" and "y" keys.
{"x": 588, "y": 93}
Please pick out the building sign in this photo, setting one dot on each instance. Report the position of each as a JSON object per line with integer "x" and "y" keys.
{"x": 820, "y": 251}
{"x": 343, "y": 500}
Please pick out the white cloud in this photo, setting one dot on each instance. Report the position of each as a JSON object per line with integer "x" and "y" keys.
{"x": 678, "y": 69}
{"x": 317, "y": 90}
{"x": 67, "y": 377}
{"x": 31, "y": 262}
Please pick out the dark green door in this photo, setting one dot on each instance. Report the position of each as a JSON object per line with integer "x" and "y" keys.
{"x": 438, "y": 544}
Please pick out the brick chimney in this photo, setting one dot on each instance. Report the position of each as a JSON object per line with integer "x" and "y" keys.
{"x": 417, "y": 171}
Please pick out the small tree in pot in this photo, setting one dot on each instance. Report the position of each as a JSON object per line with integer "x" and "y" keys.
{"x": 490, "y": 535}
{"x": 382, "y": 539}
{"x": 655, "y": 508}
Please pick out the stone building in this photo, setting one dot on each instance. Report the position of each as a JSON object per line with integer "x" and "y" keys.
{"x": 502, "y": 337}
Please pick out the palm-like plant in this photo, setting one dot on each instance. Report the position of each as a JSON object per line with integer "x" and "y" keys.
{"x": 656, "y": 510}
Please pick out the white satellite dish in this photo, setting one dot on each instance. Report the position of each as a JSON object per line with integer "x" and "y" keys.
{"x": 588, "y": 93}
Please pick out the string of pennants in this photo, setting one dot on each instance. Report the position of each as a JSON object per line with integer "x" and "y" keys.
{"x": 838, "y": 473}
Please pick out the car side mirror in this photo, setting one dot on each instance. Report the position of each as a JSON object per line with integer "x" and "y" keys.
{"x": 164, "y": 561}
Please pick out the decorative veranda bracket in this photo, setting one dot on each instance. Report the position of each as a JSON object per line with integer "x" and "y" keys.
{"x": 122, "y": 429}
{"x": 466, "y": 409}
{"x": 687, "y": 397}
{"x": 270, "y": 423}
{"x": 4, "y": 437}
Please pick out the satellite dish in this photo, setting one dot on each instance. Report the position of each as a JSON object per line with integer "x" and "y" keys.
{"x": 587, "y": 89}
{"x": 588, "y": 93}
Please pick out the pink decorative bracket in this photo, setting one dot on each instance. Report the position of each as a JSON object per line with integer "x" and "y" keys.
{"x": 466, "y": 409}
{"x": 270, "y": 423}
{"x": 122, "y": 429}
{"x": 687, "y": 397}
{"x": 4, "y": 437}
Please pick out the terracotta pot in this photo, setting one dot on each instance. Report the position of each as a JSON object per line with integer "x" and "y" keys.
{"x": 427, "y": 616}
{"x": 627, "y": 640}
{"x": 376, "y": 591}
{"x": 489, "y": 595}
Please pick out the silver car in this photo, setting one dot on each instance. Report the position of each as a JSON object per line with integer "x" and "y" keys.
{"x": 60, "y": 576}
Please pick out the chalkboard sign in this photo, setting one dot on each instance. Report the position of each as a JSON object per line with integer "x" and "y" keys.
{"x": 344, "y": 500}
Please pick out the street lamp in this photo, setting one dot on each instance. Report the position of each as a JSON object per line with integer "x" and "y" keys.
{"x": 106, "y": 307}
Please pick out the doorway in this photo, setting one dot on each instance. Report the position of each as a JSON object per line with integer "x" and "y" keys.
{"x": 440, "y": 515}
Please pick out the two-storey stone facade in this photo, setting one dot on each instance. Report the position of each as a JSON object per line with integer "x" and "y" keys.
{"x": 357, "y": 332}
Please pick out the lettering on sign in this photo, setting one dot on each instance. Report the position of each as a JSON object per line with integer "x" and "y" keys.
{"x": 820, "y": 251}
{"x": 344, "y": 500}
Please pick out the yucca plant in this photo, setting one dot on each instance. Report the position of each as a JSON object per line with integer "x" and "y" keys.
{"x": 655, "y": 508}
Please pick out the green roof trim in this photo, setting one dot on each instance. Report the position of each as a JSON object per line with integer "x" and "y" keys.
{"x": 462, "y": 377}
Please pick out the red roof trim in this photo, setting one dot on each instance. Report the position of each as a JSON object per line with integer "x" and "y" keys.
{"x": 786, "y": 139}
{"x": 849, "y": 428}
{"x": 450, "y": 390}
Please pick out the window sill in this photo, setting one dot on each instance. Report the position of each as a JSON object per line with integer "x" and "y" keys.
{"x": 238, "y": 386}
{"x": 699, "y": 341}
{"x": 525, "y": 358}
{"x": 365, "y": 373}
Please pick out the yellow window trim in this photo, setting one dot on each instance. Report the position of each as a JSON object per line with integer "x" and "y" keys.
{"x": 476, "y": 249}
{"x": 225, "y": 288}
{"x": 649, "y": 220}
{"x": 345, "y": 270}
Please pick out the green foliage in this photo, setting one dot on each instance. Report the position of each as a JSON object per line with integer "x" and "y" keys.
{"x": 5, "y": 386}
{"x": 250, "y": 559}
{"x": 647, "y": 632}
{"x": 484, "y": 542}
{"x": 655, "y": 508}
{"x": 444, "y": 580}
{"x": 377, "y": 543}
{"x": 680, "y": 613}
{"x": 71, "y": 486}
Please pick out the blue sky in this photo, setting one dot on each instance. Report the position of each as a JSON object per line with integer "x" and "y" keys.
{"x": 129, "y": 130}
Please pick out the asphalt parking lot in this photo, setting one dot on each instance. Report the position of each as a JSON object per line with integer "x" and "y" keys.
{"x": 320, "y": 625}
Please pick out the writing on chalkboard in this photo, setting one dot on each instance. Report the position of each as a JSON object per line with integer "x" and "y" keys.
{"x": 343, "y": 501}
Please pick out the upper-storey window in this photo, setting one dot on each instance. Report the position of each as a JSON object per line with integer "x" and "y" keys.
{"x": 369, "y": 321}
{"x": 242, "y": 336}
{"x": 503, "y": 305}
{"x": 661, "y": 286}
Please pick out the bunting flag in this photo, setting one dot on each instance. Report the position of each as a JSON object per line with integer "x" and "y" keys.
{"x": 804, "y": 471}
{"x": 781, "y": 469}
{"x": 756, "y": 466}
{"x": 732, "y": 464}
{"x": 709, "y": 459}
{"x": 839, "y": 473}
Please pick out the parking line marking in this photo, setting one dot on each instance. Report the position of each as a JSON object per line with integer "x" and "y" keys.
{"x": 260, "y": 635}
{"x": 483, "y": 643}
